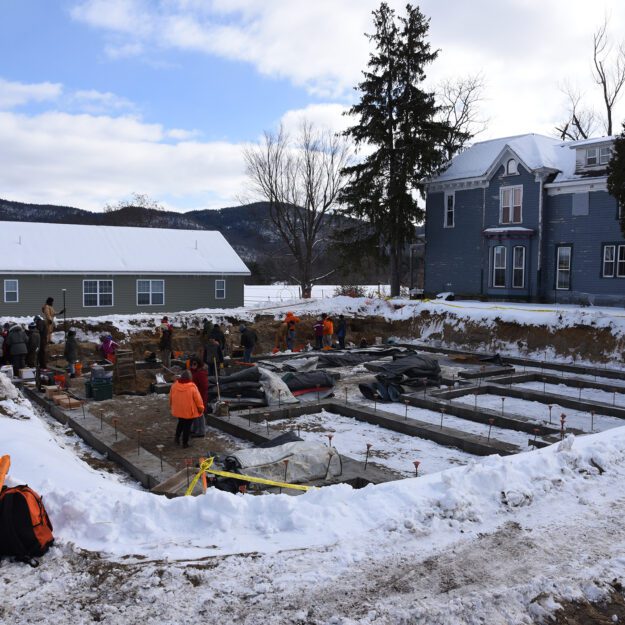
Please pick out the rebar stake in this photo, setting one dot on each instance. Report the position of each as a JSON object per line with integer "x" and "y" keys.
{"x": 503, "y": 399}
{"x": 406, "y": 402}
{"x": 536, "y": 430}
{"x": 562, "y": 425}
{"x": 115, "y": 426}
{"x": 550, "y": 406}
{"x": 416, "y": 467}
{"x": 367, "y": 456}
{"x": 442, "y": 415}
{"x": 160, "y": 453}
{"x": 330, "y": 437}
{"x": 592, "y": 420}
{"x": 490, "y": 427}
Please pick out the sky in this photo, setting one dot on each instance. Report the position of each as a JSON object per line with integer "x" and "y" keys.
{"x": 100, "y": 99}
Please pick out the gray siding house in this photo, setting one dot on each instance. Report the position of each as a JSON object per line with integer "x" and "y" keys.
{"x": 103, "y": 270}
{"x": 527, "y": 218}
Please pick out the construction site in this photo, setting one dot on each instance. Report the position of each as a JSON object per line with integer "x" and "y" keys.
{"x": 397, "y": 407}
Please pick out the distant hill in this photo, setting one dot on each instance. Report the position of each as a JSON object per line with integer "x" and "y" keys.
{"x": 247, "y": 228}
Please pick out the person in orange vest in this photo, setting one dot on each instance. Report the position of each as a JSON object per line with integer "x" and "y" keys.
{"x": 290, "y": 321}
{"x": 328, "y": 331}
{"x": 186, "y": 404}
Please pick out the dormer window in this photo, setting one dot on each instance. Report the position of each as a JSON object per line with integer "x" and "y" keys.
{"x": 598, "y": 156}
{"x": 511, "y": 167}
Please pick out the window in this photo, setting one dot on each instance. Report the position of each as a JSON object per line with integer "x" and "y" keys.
{"x": 11, "y": 292}
{"x": 150, "y": 292}
{"x": 620, "y": 267}
{"x": 605, "y": 154}
{"x": 97, "y": 293}
{"x": 499, "y": 266}
{"x": 591, "y": 157}
{"x": 450, "y": 220}
{"x": 518, "y": 267}
{"x": 608, "y": 261}
{"x": 563, "y": 268}
{"x": 511, "y": 167}
{"x": 220, "y": 289}
{"x": 511, "y": 199}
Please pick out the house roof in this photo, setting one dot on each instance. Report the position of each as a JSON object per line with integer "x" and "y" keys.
{"x": 536, "y": 152}
{"x": 72, "y": 248}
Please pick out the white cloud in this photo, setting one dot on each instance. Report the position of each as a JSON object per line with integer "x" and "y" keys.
{"x": 86, "y": 161}
{"x": 329, "y": 116}
{"x": 13, "y": 94}
{"x": 525, "y": 48}
{"x": 92, "y": 101}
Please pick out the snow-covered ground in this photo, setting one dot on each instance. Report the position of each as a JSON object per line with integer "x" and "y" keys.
{"x": 588, "y": 394}
{"x": 495, "y": 541}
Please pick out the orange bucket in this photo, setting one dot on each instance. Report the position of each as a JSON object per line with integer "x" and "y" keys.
{"x": 59, "y": 380}
{"x": 78, "y": 369}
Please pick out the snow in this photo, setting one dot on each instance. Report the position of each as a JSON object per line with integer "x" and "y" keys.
{"x": 495, "y": 541}
{"x": 61, "y": 248}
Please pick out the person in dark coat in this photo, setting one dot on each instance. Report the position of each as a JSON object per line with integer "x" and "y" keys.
{"x": 200, "y": 379}
{"x": 341, "y": 331}
{"x": 4, "y": 356}
{"x": 218, "y": 334}
{"x": 17, "y": 343}
{"x": 248, "y": 342}
{"x": 34, "y": 343}
{"x": 42, "y": 326}
{"x": 164, "y": 345}
{"x": 213, "y": 356}
{"x": 70, "y": 353}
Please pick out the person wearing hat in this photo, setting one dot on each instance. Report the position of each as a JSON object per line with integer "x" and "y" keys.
{"x": 34, "y": 343}
{"x": 49, "y": 314}
{"x": 248, "y": 342}
{"x": 70, "y": 353}
{"x": 17, "y": 343}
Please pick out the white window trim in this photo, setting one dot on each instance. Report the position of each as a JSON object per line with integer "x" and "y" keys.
{"x": 515, "y": 268}
{"x": 605, "y": 159}
{"x": 617, "y": 255}
{"x": 558, "y": 270}
{"x": 596, "y": 157}
{"x": 150, "y": 292}
{"x": 451, "y": 194}
{"x": 17, "y": 290}
{"x": 224, "y": 288}
{"x": 98, "y": 305}
{"x": 504, "y": 267}
{"x": 613, "y": 261}
{"x": 501, "y": 192}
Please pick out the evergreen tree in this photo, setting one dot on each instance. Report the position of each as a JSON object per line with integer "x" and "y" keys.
{"x": 616, "y": 175}
{"x": 398, "y": 127}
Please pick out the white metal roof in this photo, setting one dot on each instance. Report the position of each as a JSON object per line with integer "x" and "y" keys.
{"x": 70, "y": 248}
{"x": 535, "y": 151}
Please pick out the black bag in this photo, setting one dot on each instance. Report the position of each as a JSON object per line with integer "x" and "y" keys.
{"x": 25, "y": 528}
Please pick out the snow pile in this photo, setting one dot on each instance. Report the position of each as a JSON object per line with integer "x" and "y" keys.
{"x": 97, "y": 514}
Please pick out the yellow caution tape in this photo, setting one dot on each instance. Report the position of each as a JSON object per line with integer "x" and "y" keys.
{"x": 205, "y": 467}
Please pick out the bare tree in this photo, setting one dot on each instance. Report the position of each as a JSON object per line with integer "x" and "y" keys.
{"x": 608, "y": 72}
{"x": 459, "y": 101}
{"x": 300, "y": 179}
{"x": 582, "y": 122}
{"x": 136, "y": 200}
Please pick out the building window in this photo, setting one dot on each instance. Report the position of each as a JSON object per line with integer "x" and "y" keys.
{"x": 499, "y": 266}
{"x": 11, "y": 292}
{"x": 620, "y": 267}
{"x": 518, "y": 267}
{"x": 150, "y": 292}
{"x": 563, "y": 268}
{"x": 511, "y": 167}
{"x": 220, "y": 289}
{"x": 605, "y": 154}
{"x": 97, "y": 293}
{"x": 608, "y": 261}
{"x": 591, "y": 157}
{"x": 511, "y": 199}
{"x": 450, "y": 219}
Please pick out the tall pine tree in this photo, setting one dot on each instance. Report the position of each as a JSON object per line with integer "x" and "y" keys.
{"x": 616, "y": 176}
{"x": 397, "y": 126}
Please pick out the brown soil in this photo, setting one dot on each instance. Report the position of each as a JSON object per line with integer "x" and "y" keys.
{"x": 584, "y": 613}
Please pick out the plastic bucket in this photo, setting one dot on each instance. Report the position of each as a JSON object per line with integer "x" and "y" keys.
{"x": 59, "y": 380}
{"x": 78, "y": 369}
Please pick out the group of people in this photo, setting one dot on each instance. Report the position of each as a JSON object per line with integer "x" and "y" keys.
{"x": 23, "y": 347}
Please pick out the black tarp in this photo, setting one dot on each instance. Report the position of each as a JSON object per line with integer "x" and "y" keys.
{"x": 411, "y": 367}
{"x": 250, "y": 374}
{"x": 308, "y": 379}
{"x": 353, "y": 358}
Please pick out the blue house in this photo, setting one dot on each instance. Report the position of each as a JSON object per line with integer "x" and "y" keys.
{"x": 528, "y": 218}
